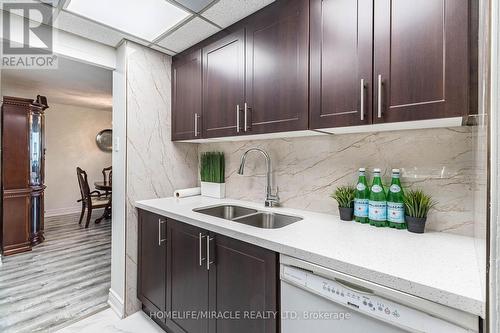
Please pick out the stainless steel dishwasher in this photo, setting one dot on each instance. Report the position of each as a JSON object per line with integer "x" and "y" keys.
{"x": 315, "y": 299}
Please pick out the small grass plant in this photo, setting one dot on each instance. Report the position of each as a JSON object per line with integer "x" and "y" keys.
{"x": 212, "y": 167}
{"x": 344, "y": 196}
{"x": 417, "y": 203}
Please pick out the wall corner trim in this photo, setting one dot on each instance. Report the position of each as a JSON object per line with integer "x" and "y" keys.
{"x": 116, "y": 304}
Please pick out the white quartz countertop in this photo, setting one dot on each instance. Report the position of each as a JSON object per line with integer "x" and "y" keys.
{"x": 437, "y": 266}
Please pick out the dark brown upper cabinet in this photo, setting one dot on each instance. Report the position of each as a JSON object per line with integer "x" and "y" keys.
{"x": 186, "y": 96}
{"x": 421, "y": 59}
{"x": 319, "y": 64}
{"x": 152, "y": 253}
{"x": 224, "y": 86}
{"x": 341, "y": 63}
{"x": 276, "y": 94}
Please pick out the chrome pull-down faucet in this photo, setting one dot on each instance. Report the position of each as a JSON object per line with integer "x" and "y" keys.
{"x": 271, "y": 199}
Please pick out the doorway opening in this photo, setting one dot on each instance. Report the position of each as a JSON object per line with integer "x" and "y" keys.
{"x": 65, "y": 275}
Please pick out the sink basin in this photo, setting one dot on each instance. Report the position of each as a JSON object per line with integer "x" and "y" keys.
{"x": 228, "y": 212}
{"x": 249, "y": 216}
{"x": 268, "y": 220}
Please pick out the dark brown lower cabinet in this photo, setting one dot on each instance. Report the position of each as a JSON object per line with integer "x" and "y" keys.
{"x": 243, "y": 281}
{"x": 152, "y": 272}
{"x": 199, "y": 278}
{"x": 187, "y": 282}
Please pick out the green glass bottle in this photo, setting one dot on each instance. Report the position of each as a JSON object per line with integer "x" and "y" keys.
{"x": 377, "y": 207}
{"x": 361, "y": 198}
{"x": 395, "y": 203}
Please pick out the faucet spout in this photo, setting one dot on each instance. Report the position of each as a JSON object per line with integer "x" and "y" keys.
{"x": 271, "y": 199}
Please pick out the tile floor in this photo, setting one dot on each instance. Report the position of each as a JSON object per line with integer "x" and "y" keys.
{"x": 108, "y": 322}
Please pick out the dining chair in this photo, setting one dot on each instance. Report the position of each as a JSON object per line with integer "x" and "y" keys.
{"x": 107, "y": 178}
{"x": 89, "y": 200}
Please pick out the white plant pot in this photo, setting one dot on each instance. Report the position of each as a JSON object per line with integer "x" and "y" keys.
{"x": 213, "y": 190}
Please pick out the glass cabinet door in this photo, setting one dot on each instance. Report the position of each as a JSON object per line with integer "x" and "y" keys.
{"x": 36, "y": 149}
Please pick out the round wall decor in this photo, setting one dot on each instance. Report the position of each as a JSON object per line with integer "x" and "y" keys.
{"x": 104, "y": 140}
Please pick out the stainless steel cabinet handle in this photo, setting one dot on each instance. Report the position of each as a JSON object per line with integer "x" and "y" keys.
{"x": 379, "y": 97}
{"x": 237, "y": 118}
{"x": 362, "y": 104}
{"x": 160, "y": 240}
{"x": 200, "y": 240}
{"x": 195, "y": 124}
{"x": 208, "y": 252}
{"x": 246, "y": 116}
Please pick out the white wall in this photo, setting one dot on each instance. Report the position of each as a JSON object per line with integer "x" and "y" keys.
{"x": 117, "y": 291}
{"x": 494, "y": 260}
{"x": 70, "y": 133}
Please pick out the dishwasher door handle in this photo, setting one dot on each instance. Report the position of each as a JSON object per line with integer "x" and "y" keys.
{"x": 354, "y": 287}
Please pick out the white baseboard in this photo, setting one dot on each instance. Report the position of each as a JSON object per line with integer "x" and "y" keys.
{"x": 63, "y": 211}
{"x": 67, "y": 211}
{"x": 116, "y": 303}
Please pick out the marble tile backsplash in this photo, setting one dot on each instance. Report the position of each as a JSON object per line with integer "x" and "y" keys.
{"x": 155, "y": 165}
{"x": 307, "y": 170}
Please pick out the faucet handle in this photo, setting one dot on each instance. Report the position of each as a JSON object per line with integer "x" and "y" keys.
{"x": 273, "y": 200}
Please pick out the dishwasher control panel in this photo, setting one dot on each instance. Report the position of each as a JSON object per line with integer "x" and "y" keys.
{"x": 364, "y": 301}
{"x": 358, "y": 300}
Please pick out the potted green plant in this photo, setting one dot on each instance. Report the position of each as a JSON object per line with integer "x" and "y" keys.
{"x": 417, "y": 205}
{"x": 212, "y": 175}
{"x": 345, "y": 198}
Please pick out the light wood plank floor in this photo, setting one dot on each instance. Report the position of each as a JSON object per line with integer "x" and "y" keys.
{"x": 60, "y": 281}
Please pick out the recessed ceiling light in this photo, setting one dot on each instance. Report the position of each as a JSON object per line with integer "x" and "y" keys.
{"x": 146, "y": 19}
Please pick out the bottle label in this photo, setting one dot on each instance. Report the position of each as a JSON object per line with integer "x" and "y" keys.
{"x": 361, "y": 207}
{"x": 376, "y": 188}
{"x": 395, "y": 188}
{"x": 361, "y": 187}
{"x": 377, "y": 210}
{"x": 395, "y": 212}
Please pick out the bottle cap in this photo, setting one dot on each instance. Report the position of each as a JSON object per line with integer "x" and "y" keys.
{"x": 362, "y": 169}
{"x": 395, "y": 170}
{"x": 376, "y": 170}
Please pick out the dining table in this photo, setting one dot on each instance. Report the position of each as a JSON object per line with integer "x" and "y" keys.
{"x": 106, "y": 187}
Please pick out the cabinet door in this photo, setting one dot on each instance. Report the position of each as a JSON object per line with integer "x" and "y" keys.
{"x": 188, "y": 276}
{"x": 243, "y": 277}
{"x": 341, "y": 63}
{"x": 421, "y": 59}
{"x": 277, "y": 56}
{"x": 186, "y": 96}
{"x": 152, "y": 261}
{"x": 224, "y": 86}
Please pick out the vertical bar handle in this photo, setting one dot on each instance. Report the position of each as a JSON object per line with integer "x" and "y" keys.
{"x": 246, "y": 116}
{"x": 160, "y": 240}
{"x": 379, "y": 97}
{"x": 208, "y": 252}
{"x": 362, "y": 103}
{"x": 237, "y": 118}
{"x": 195, "y": 124}
{"x": 200, "y": 242}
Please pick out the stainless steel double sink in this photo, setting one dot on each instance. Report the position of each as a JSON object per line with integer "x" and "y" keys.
{"x": 249, "y": 216}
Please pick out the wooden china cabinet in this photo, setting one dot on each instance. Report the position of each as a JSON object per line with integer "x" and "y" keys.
{"x": 23, "y": 160}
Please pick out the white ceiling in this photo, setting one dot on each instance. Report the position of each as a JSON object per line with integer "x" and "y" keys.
{"x": 84, "y": 85}
{"x": 206, "y": 17}
{"x": 72, "y": 83}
